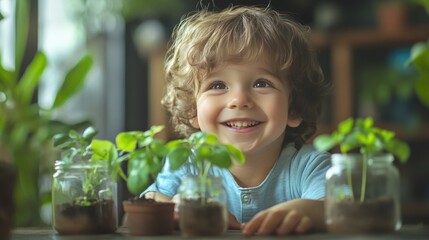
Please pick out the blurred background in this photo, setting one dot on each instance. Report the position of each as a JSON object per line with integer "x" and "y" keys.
{"x": 361, "y": 45}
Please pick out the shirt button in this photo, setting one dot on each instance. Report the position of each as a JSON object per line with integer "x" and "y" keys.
{"x": 245, "y": 198}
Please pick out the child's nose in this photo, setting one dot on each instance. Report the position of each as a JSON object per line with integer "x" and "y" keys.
{"x": 240, "y": 100}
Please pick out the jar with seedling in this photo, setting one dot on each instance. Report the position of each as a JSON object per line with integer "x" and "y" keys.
{"x": 362, "y": 185}
{"x": 203, "y": 200}
{"x": 83, "y": 189}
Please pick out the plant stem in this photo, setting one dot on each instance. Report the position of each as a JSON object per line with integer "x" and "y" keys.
{"x": 350, "y": 179}
{"x": 364, "y": 169}
{"x": 204, "y": 171}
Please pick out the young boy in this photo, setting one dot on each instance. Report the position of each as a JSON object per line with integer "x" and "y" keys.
{"x": 250, "y": 76}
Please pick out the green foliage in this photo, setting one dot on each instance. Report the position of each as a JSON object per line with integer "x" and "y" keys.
{"x": 420, "y": 59}
{"x": 77, "y": 149}
{"x": 26, "y": 129}
{"x": 145, "y": 155}
{"x": 361, "y": 134}
{"x": 203, "y": 150}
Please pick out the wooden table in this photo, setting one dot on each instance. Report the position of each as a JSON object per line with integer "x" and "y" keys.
{"x": 407, "y": 232}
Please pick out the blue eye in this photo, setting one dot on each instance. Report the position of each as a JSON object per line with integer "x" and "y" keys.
{"x": 262, "y": 84}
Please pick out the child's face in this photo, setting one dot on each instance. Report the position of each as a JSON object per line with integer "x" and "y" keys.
{"x": 245, "y": 104}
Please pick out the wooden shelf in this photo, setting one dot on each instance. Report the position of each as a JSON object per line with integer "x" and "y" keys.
{"x": 371, "y": 37}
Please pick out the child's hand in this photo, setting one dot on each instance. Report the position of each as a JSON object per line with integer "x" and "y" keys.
{"x": 296, "y": 216}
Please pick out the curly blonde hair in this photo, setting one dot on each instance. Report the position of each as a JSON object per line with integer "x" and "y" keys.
{"x": 204, "y": 39}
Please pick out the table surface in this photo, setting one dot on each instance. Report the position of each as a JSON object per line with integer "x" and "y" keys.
{"x": 407, "y": 232}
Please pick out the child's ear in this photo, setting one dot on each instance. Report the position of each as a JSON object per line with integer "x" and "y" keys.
{"x": 194, "y": 123}
{"x": 294, "y": 121}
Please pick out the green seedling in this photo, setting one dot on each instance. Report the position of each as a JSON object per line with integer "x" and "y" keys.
{"x": 203, "y": 150}
{"x": 361, "y": 135}
{"x": 78, "y": 148}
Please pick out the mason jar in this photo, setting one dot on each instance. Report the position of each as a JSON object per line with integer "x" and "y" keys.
{"x": 203, "y": 206}
{"x": 84, "y": 198}
{"x": 362, "y": 196}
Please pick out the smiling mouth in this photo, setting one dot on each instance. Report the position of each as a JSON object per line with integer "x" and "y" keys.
{"x": 241, "y": 124}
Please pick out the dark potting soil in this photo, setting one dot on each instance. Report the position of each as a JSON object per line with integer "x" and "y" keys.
{"x": 375, "y": 216}
{"x": 198, "y": 219}
{"x": 97, "y": 218}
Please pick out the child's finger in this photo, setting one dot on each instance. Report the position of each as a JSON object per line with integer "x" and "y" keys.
{"x": 289, "y": 224}
{"x": 304, "y": 225}
{"x": 252, "y": 226}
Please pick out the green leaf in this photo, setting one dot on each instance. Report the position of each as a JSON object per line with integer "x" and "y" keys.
{"x": 126, "y": 141}
{"x": 235, "y": 153}
{"x": 178, "y": 156}
{"x": 346, "y": 126}
{"x": 60, "y": 138}
{"x": 102, "y": 149}
{"x": 21, "y": 30}
{"x": 73, "y": 81}
{"x": 6, "y": 76}
{"x": 158, "y": 148}
{"x": 420, "y": 55}
{"x": 89, "y": 133}
{"x": 29, "y": 81}
{"x": 138, "y": 175}
{"x": 324, "y": 142}
{"x": 400, "y": 149}
{"x": 154, "y": 130}
{"x": 220, "y": 158}
{"x": 202, "y": 152}
{"x": 422, "y": 87}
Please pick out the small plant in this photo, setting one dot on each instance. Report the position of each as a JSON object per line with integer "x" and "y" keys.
{"x": 361, "y": 135}
{"x": 78, "y": 148}
{"x": 83, "y": 184}
{"x": 203, "y": 150}
{"x": 26, "y": 127}
{"x": 145, "y": 155}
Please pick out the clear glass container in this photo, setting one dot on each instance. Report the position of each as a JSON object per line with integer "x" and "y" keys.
{"x": 362, "y": 196}
{"x": 202, "y": 208}
{"x": 84, "y": 198}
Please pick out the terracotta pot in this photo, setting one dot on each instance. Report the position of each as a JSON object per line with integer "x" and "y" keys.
{"x": 149, "y": 218}
{"x": 7, "y": 184}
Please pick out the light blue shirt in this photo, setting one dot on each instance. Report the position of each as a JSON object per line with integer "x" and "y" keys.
{"x": 296, "y": 174}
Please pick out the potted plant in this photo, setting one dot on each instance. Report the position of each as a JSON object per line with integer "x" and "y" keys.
{"x": 202, "y": 209}
{"x": 362, "y": 186}
{"x": 83, "y": 188}
{"x": 26, "y": 128}
{"x": 145, "y": 156}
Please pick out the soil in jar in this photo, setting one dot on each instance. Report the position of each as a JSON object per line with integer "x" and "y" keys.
{"x": 202, "y": 219}
{"x": 98, "y": 217}
{"x": 372, "y": 216}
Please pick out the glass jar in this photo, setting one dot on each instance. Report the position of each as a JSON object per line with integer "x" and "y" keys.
{"x": 84, "y": 198}
{"x": 362, "y": 196}
{"x": 202, "y": 208}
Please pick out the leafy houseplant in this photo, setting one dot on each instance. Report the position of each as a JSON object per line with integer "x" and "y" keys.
{"x": 83, "y": 189}
{"x": 362, "y": 189}
{"x": 145, "y": 156}
{"x": 202, "y": 210}
{"x": 26, "y": 128}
